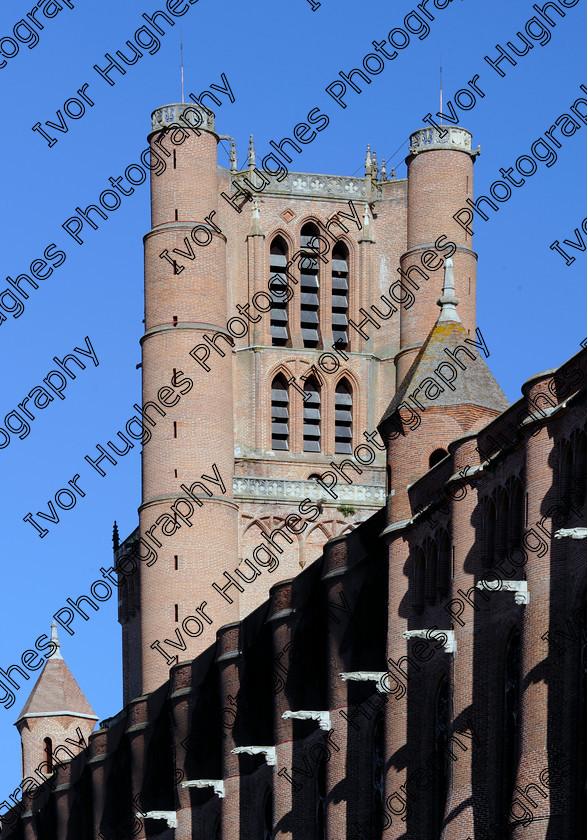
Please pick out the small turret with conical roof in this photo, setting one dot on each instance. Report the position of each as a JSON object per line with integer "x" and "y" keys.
{"x": 55, "y": 710}
{"x": 448, "y": 391}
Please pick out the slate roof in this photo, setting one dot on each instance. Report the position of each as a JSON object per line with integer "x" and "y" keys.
{"x": 474, "y": 386}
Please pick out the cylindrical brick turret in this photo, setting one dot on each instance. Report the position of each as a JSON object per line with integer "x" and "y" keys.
{"x": 184, "y": 551}
{"x": 440, "y": 179}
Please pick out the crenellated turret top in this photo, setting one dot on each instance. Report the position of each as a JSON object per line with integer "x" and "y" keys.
{"x": 196, "y": 115}
{"x": 431, "y": 138}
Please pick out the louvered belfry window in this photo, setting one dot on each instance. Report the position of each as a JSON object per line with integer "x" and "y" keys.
{"x": 340, "y": 295}
{"x": 312, "y": 416}
{"x": 309, "y": 286}
{"x": 343, "y": 418}
{"x": 278, "y": 288}
{"x": 279, "y": 414}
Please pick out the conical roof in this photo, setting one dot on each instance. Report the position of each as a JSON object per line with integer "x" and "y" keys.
{"x": 56, "y": 691}
{"x": 473, "y": 384}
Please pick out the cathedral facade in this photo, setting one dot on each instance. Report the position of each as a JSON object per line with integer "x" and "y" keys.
{"x": 355, "y": 604}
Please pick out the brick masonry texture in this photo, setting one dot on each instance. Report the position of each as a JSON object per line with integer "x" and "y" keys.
{"x": 484, "y": 743}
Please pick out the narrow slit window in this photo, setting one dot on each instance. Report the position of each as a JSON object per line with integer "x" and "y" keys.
{"x": 278, "y": 289}
{"x": 279, "y": 414}
{"x": 176, "y": 218}
{"x": 174, "y": 160}
{"x": 312, "y": 432}
{"x": 48, "y": 754}
{"x": 340, "y": 295}
{"x": 343, "y": 418}
{"x": 174, "y": 428}
{"x": 309, "y": 287}
{"x": 176, "y": 558}
{"x": 177, "y": 612}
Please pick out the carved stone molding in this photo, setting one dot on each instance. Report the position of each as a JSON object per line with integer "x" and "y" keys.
{"x": 169, "y": 115}
{"x": 338, "y": 187}
{"x": 268, "y": 752}
{"x": 573, "y": 533}
{"x": 217, "y": 784}
{"x": 246, "y": 488}
{"x": 520, "y": 587}
{"x": 169, "y": 816}
{"x": 366, "y": 676}
{"x": 447, "y": 637}
{"x": 433, "y": 137}
{"x": 323, "y": 718}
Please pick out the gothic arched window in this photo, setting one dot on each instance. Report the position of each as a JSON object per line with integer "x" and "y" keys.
{"x": 279, "y": 414}
{"x": 489, "y": 527}
{"x": 343, "y": 418}
{"x": 566, "y": 473}
{"x": 441, "y": 724}
{"x": 312, "y": 416}
{"x": 511, "y": 718}
{"x": 444, "y": 564}
{"x": 516, "y": 516}
{"x": 419, "y": 576}
{"x": 431, "y": 571}
{"x": 501, "y": 529}
{"x": 278, "y": 288}
{"x": 340, "y": 294}
{"x": 309, "y": 286}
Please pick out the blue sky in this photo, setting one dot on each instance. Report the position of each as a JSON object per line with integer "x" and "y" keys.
{"x": 278, "y": 59}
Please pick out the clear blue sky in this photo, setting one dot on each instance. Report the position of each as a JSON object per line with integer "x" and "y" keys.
{"x": 278, "y": 58}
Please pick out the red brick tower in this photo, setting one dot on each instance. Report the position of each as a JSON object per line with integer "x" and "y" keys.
{"x": 194, "y": 438}
{"x": 440, "y": 179}
{"x": 56, "y": 708}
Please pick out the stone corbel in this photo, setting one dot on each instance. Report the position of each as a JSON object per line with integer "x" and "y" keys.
{"x": 323, "y": 718}
{"x": 520, "y": 587}
{"x": 366, "y": 676}
{"x": 268, "y": 752}
{"x": 573, "y": 533}
{"x": 169, "y": 816}
{"x": 217, "y": 784}
{"x": 447, "y": 637}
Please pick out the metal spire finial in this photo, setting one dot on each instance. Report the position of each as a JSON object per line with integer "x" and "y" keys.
{"x": 449, "y": 301}
{"x": 181, "y": 53}
{"x": 55, "y": 640}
